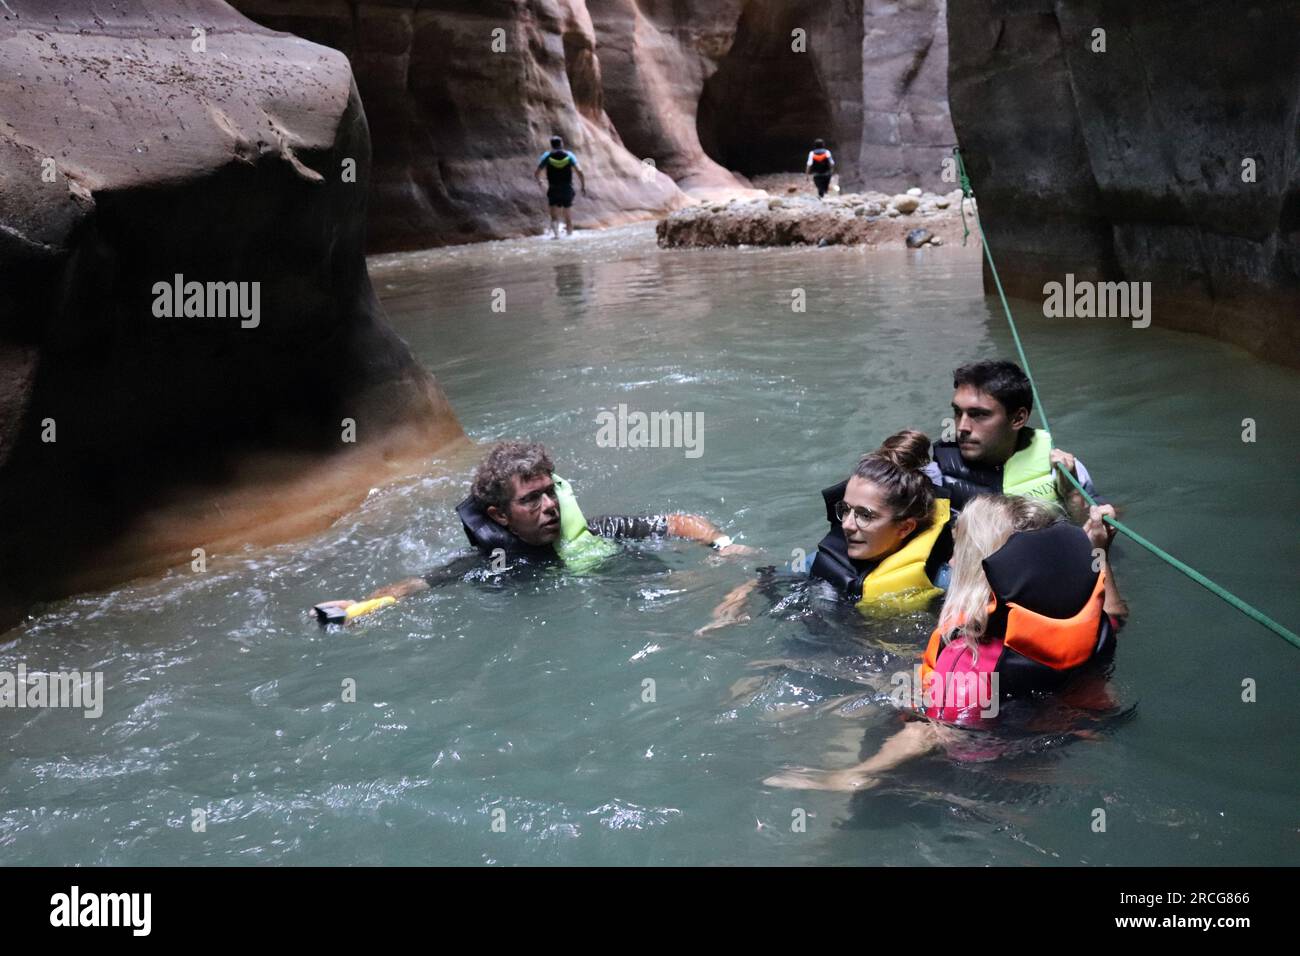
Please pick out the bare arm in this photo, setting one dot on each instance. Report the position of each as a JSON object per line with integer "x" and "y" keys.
{"x": 582, "y": 178}
{"x": 916, "y": 739}
{"x": 701, "y": 529}
{"x": 694, "y": 527}
{"x": 336, "y": 612}
{"x": 1101, "y": 535}
{"x": 731, "y": 610}
{"x": 346, "y": 611}
{"x": 400, "y": 589}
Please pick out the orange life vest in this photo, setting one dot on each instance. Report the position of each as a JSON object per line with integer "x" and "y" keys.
{"x": 1027, "y": 648}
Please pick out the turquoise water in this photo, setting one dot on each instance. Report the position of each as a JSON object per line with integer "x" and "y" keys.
{"x": 527, "y": 695}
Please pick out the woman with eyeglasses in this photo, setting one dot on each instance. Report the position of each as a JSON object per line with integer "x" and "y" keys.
{"x": 889, "y": 539}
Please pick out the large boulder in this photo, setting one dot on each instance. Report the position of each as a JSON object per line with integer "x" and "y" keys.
{"x": 1169, "y": 158}
{"x": 463, "y": 99}
{"x": 131, "y": 435}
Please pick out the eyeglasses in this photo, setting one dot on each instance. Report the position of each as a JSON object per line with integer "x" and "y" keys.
{"x": 533, "y": 500}
{"x": 861, "y": 516}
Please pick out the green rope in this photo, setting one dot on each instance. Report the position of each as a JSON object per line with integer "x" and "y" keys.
{"x": 1251, "y": 612}
{"x": 966, "y": 193}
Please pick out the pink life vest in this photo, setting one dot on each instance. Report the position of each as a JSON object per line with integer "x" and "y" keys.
{"x": 957, "y": 688}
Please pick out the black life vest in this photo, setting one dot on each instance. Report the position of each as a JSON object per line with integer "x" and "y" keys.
{"x": 1046, "y": 619}
{"x": 821, "y": 161}
{"x": 487, "y": 536}
{"x": 1049, "y": 574}
{"x": 833, "y": 563}
{"x": 902, "y": 580}
{"x": 1027, "y": 472}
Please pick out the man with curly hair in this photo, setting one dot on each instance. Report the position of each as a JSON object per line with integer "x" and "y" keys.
{"x": 518, "y": 509}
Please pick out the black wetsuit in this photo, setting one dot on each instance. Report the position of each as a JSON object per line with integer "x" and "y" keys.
{"x": 605, "y": 526}
{"x": 559, "y": 164}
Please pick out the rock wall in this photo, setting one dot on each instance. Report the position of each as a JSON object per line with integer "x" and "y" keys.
{"x": 655, "y": 57}
{"x": 871, "y": 80}
{"x": 129, "y": 437}
{"x": 1135, "y": 163}
{"x": 906, "y": 128}
{"x": 701, "y": 90}
{"x": 750, "y": 83}
{"x": 463, "y": 98}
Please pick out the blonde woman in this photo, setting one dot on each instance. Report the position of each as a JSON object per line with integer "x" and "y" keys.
{"x": 1031, "y": 600}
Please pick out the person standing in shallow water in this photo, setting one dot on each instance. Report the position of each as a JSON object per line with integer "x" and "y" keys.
{"x": 560, "y": 164}
{"x": 821, "y": 166}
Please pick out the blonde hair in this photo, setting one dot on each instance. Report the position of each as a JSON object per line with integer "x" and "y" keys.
{"x": 983, "y": 527}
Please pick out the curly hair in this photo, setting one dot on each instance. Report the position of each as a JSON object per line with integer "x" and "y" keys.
{"x": 507, "y": 460}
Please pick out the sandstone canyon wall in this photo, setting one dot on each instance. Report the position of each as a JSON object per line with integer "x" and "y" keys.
{"x": 872, "y": 82}
{"x": 460, "y": 113}
{"x": 1173, "y": 157}
{"x": 700, "y": 89}
{"x": 127, "y": 438}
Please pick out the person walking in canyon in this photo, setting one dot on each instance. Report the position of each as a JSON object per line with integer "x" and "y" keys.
{"x": 821, "y": 166}
{"x": 560, "y": 165}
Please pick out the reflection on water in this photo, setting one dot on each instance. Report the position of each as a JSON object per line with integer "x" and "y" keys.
{"x": 583, "y": 707}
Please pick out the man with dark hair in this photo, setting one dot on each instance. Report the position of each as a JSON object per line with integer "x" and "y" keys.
{"x": 996, "y": 451}
{"x": 518, "y": 509}
{"x": 560, "y": 165}
{"x": 821, "y": 165}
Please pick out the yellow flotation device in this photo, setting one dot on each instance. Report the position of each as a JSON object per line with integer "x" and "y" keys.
{"x": 365, "y": 607}
{"x": 899, "y": 582}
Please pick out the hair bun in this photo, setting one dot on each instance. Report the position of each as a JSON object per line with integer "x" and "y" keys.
{"x": 908, "y": 449}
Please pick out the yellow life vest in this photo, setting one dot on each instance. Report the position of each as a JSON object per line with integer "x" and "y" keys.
{"x": 899, "y": 582}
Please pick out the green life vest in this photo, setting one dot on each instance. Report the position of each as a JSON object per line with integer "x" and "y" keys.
{"x": 578, "y": 548}
{"x": 1029, "y": 472}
